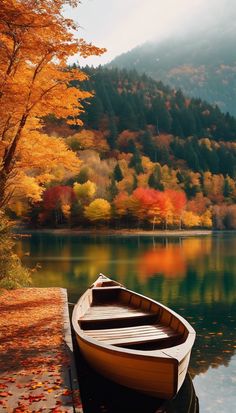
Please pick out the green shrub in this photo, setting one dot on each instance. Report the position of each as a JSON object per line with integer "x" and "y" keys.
{"x": 12, "y": 272}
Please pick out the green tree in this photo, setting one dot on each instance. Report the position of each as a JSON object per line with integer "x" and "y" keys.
{"x": 112, "y": 189}
{"x": 113, "y": 133}
{"x": 191, "y": 157}
{"x": 117, "y": 173}
{"x": 154, "y": 180}
{"x": 136, "y": 162}
{"x": 149, "y": 147}
{"x": 127, "y": 116}
{"x": 95, "y": 112}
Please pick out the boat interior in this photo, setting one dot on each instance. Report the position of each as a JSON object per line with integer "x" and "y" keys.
{"x": 119, "y": 317}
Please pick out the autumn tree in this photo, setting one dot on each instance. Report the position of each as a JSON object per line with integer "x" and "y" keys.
{"x": 147, "y": 204}
{"x": 36, "y": 41}
{"x": 160, "y": 210}
{"x": 41, "y": 160}
{"x": 57, "y": 201}
{"x": 190, "y": 219}
{"x": 121, "y": 203}
{"x": 178, "y": 201}
{"x": 206, "y": 219}
{"x": 84, "y": 192}
{"x": 140, "y": 202}
{"x": 98, "y": 210}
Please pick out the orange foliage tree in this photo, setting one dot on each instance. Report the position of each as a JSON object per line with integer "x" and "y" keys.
{"x": 121, "y": 203}
{"x": 147, "y": 204}
{"x": 178, "y": 201}
{"x": 35, "y": 81}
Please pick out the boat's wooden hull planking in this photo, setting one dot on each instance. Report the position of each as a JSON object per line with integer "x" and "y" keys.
{"x": 156, "y": 377}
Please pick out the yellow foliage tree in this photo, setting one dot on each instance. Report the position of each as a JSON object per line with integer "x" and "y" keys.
{"x": 98, "y": 210}
{"x": 87, "y": 139}
{"x": 189, "y": 219}
{"x": 169, "y": 177}
{"x": 206, "y": 219}
{"x": 35, "y": 81}
{"x": 42, "y": 159}
{"x": 84, "y": 192}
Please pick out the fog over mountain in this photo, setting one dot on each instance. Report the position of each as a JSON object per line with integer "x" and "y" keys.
{"x": 201, "y": 59}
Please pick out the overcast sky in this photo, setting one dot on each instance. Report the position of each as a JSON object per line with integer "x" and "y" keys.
{"x": 120, "y": 25}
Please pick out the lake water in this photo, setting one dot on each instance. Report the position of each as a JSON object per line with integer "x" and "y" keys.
{"x": 194, "y": 275}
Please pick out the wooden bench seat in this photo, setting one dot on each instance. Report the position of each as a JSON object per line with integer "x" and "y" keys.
{"x": 114, "y": 315}
{"x": 133, "y": 335}
{"x": 112, "y": 311}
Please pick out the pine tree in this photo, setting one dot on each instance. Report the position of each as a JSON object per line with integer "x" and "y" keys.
{"x": 136, "y": 162}
{"x": 112, "y": 137}
{"x": 149, "y": 147}
{"x": 95, "y": 112}
{"x": 154, "y": 180}
{"x": 118, "y": 176}
{"x": 113, "y": 190}
{"x": 191, "y": 157}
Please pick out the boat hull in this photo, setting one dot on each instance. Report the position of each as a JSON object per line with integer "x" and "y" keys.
{"x": 157, "y": 377}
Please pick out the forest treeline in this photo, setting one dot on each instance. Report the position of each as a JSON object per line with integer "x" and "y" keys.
{"x": 143, "y": 149}
{"x": 126, "y": 100}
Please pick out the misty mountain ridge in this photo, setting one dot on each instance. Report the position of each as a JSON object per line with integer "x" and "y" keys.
{"x": 202, "y": 64}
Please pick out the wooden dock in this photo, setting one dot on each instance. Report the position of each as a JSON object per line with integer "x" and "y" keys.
{"x": 37, "y": 368}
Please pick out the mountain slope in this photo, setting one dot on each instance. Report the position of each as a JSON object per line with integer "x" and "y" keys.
{"x": 136, "y": 115}
{"x": 202, "y": 64}
{"x": 126, "y": 100}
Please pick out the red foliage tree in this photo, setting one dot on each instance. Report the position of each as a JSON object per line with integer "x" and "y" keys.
{"x": 58, "y": 199}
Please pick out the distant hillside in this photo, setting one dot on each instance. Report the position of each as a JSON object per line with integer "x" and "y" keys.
{"x": 149, "y": 156}
{"x": 134, "y": 114}
{"x": 126, "y": 100}
{"x": 202, "y": 65}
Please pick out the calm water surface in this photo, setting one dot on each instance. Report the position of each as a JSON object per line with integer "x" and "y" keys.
{"x": 196, "y": 276}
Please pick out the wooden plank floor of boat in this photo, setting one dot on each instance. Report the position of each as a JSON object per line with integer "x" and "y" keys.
{"x": 134, "y": 335}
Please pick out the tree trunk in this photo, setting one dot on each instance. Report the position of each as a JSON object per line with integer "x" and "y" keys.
{"x": 3, "y": 182}
{"x": 8, "y": 162}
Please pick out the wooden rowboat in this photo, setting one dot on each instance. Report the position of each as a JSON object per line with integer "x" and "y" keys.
{"x": 133, "y": 340}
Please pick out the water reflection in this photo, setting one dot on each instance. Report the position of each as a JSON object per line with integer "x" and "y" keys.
{"x": 194, "y": 270}
{"x": 196, "y": 276}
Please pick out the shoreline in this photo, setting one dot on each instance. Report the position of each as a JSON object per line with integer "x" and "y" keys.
{"x": 112, "y": 232}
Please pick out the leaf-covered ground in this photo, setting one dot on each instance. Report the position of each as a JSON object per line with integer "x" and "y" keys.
{"x": 34, "y": 361}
